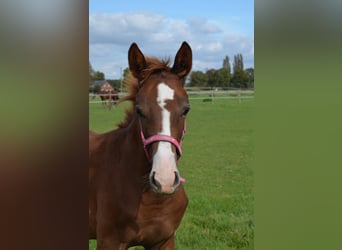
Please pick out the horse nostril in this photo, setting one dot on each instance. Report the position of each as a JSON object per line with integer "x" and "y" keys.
{"x": 177, "y": 180}
{"x": 154, "y": 181}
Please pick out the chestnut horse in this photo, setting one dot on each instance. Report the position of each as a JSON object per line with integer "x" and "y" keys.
{"x": 136, "y": 195}
{"x": 111, "y": 96}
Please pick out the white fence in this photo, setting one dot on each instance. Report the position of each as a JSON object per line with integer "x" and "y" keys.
{"x": 205, "y": 95}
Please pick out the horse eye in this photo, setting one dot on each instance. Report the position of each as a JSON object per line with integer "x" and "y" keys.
{"x": 139, "y": 111}
{"x": 185, "y": 111}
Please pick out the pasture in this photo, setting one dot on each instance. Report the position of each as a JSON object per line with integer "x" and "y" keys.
{"x": 216, "y": 163}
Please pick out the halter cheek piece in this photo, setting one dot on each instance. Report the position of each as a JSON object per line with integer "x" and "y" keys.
{"x": 166, "y": 138}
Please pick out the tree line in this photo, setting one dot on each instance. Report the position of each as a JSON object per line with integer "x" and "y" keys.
{"x": 95, "y": 75}
{"x": 223, "y": 77}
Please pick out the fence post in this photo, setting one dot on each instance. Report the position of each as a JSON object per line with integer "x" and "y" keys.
{"x": 239, "y": 95}
{"x": 212, "y": 95}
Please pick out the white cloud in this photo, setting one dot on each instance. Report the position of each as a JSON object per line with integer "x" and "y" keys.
{"x": 203, "y": 25}
{"x": 112, "y": 34}
{"x": 120, "y": 28}
{"x": 214, "y": 46}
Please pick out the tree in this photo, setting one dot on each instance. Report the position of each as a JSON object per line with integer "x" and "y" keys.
{"x": 198, "y": 78}
{"x": 98, "y": 75}
{"x": 223, "y": 77}
{"x": 91, "y": 74}
{"x": 95, "y": 75}
{"x": 238, "y": 62}
{"x": 218, "y": 77}
{"x": 125, "y": 72}
{"x": 226, "y": 64}
{"x": 240, "y": 78}
{"x": 250, "y": 73}
{"x": 211, "y": 74}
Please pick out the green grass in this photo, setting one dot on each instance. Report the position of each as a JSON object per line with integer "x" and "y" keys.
{"x": 216, "y": 163}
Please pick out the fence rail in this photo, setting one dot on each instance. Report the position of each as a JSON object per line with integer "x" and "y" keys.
{"x": 195, "y": 94}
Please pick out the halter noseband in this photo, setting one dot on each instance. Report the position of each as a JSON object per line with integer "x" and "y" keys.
{"x": 166, "y": 138}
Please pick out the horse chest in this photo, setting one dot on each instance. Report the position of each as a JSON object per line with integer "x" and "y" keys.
{"x": 159, "y": 216}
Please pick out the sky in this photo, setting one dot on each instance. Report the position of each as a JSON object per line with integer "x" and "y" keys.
{"x": 213, "y": 29}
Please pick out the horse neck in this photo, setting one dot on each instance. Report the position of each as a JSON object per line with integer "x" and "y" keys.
{"x": 139, "y": 164}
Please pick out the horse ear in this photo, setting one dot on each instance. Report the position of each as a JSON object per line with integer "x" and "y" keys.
{"x": 136, "y": 61}
{"x": 183, "y": 60}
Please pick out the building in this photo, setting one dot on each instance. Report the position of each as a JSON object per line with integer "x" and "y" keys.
{"x": 102, "y": 86}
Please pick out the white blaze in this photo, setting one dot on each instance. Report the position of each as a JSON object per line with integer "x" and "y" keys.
{"x": 165, "y": 93}
{"x": 164, "y": 163}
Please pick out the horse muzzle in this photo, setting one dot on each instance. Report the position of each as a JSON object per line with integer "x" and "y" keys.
{"x": 162, "y": 185}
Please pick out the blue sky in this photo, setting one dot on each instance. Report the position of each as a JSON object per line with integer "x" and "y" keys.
{"x": 213, "y": 29}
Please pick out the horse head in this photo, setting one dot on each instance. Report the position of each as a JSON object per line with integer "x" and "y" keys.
{"x": 161, "y": 106}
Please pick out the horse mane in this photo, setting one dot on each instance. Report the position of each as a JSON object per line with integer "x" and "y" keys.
{"x": 132, "y": 84}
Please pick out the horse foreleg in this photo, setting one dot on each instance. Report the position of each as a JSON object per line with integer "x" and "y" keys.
{"x": 168, "y": 244}
{"x": 110, "y": 244}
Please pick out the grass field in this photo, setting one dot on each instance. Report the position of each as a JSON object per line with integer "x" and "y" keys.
{"x": 216, "y": 162}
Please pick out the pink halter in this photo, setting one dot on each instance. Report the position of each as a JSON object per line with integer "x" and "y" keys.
{"x": 167, "y": 138}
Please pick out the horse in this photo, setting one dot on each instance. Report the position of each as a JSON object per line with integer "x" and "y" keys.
{"x": 111, "y": 96}
{"x": 136, "y": 194}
